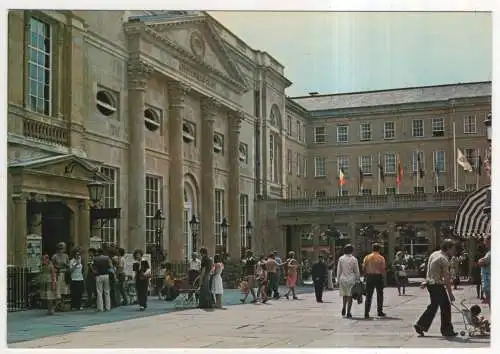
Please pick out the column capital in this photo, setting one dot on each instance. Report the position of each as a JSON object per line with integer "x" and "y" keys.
{"x": 83, "y": 204}
{"x": 20, "y": 197}
{"x": 138, "y": 74}
{"x": 235, "y": 119}
{"x": 177, "y": 92}
{"x": 37, "y": 197}
{"x": 209, "y": 107}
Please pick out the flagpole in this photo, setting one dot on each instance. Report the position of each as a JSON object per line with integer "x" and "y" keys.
{"x": 378, "y": 168}
{"x": 455, "y": 177}
{"x": 397, "y": 173}
{"x": 478, "y": 154}
{"x": 436, "y": 172}
{"x": 418, "y": 168}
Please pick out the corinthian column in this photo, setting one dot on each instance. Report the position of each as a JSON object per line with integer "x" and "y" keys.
{"x": 176, "y": 96}
{"x": 208, "y": 112}
{"x": 138, "y": 75}
{"x": 234, "y": 237}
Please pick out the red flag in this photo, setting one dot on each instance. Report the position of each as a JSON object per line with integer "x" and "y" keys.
{"x": 341, "y": 177}
{"x": 399, "y": 175}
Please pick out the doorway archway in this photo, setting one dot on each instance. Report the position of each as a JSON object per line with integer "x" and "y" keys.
{"x": 189, "y": 210}
{"x": 56, "y": 226}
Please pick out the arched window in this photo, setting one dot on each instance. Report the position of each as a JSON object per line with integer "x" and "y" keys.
{"x": 275, "y": 117}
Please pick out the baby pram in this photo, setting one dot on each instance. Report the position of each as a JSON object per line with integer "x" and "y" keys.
{"x": 471, "y": 328}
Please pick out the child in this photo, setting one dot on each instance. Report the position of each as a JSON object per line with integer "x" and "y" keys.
{"x": 263, "y": 280}
{"x": 244, "y": 287}
{"x": 480, "y": 321}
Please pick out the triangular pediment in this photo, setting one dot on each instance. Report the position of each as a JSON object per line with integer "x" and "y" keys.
{"x": 70, "y": 166}
{"x": 197, "y": 42}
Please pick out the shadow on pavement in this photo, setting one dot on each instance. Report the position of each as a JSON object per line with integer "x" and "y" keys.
{"x": 34, "y": 324}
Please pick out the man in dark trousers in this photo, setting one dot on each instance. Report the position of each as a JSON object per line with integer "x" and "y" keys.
{"x": 374, "y": 267}
{"x": 439, "y": 285}
{"x": 319, "y": 271}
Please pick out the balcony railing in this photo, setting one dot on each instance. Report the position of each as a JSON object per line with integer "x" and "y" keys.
{"x": 374, "y": 202}
{"x": 48, "y": 132}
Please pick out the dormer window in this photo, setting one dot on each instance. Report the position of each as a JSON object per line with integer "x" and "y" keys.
{"x": 188, "y": 132}
{"x": 151, "y": 120}
{"x": 218, "y": 143}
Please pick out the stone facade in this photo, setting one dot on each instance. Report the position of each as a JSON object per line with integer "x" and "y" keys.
{"x": 173, "y": 112}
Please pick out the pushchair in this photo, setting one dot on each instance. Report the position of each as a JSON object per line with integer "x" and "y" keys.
{"x": 471, "y": 328}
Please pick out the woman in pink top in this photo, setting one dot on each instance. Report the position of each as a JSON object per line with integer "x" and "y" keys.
{"x": 291, "y": 279}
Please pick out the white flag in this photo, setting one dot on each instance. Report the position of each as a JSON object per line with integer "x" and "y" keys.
{"x": 462, "y": 161}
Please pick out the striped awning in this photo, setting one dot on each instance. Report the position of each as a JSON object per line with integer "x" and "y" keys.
{"x": 473, "y": 219}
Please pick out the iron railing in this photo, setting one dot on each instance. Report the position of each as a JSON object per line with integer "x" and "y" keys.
{"x": 374, "y": 202}
{"x": 22, "y": 289}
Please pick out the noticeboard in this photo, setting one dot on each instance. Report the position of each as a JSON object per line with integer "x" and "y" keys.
{"x": 33, "y": 253}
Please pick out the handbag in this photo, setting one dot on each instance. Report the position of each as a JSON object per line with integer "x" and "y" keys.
{"x": 358, "y": 291}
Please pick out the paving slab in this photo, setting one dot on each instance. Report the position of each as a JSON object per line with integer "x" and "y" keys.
{"x": 278, "y": 324}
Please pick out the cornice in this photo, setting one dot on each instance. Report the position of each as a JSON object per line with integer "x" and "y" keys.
{"x": 276, "y": 75}
{"x": 240, "y": 55}
{"x": 296, "y": 107}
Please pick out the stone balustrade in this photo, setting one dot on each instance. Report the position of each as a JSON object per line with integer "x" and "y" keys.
{"x": 46, "y": 132}
{"x": 373, "y": 202}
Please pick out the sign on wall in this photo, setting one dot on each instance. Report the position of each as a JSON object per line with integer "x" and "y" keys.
{"x": 33, "y": 253}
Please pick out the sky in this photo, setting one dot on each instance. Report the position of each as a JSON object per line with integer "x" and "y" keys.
{"x": 331, "y": 52}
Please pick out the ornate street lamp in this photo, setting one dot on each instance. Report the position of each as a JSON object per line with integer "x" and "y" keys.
{"x": 96, "y": 190}
{"x": 249, "y": 228}
{"x": 487, "y": 123}
{"x": 158, "y": 224}
{"x": 195, "y": 229}
{"x": 223, "y": 228}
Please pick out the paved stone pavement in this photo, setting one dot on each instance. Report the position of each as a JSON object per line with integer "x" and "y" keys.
{"x": 35, "y": 324}
{"x": 303, "y": 323}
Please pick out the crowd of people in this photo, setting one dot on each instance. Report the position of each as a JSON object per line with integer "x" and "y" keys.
{"x": 65, "y": 277}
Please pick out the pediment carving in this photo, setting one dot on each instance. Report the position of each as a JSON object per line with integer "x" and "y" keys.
{"x": 69, "y": 166}
{"x": 200, "y": 45}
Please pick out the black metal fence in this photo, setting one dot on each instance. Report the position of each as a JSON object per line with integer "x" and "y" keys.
{"x": 22, "y": 289}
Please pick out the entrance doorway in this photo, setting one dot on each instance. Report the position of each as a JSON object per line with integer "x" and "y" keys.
{"x": 56, "y": 226}
{"x": 188, "y": 214}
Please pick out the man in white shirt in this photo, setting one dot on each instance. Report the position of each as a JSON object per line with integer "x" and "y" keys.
{"x": 77, "y": 284}
{"x": 439, "y": 285}
{"x": 194, "y": 268}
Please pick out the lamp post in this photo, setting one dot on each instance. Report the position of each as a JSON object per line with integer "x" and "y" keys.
{"x": 159, "y": 224}
{"x": 195, "y": 228}
{"x": 96, "y": 191}
{"x": 249, "y": 228}
{"x": 223, "y": 228}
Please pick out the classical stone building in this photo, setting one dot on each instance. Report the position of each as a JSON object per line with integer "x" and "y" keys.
{"x": 371, "y": 136}
{"x": 165, "y": 107}
{"x": 174, "y": 112}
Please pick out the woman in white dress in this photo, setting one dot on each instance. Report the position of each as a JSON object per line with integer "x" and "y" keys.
{"x": 217, "y": 287}
{"x": 347, "y": 275}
